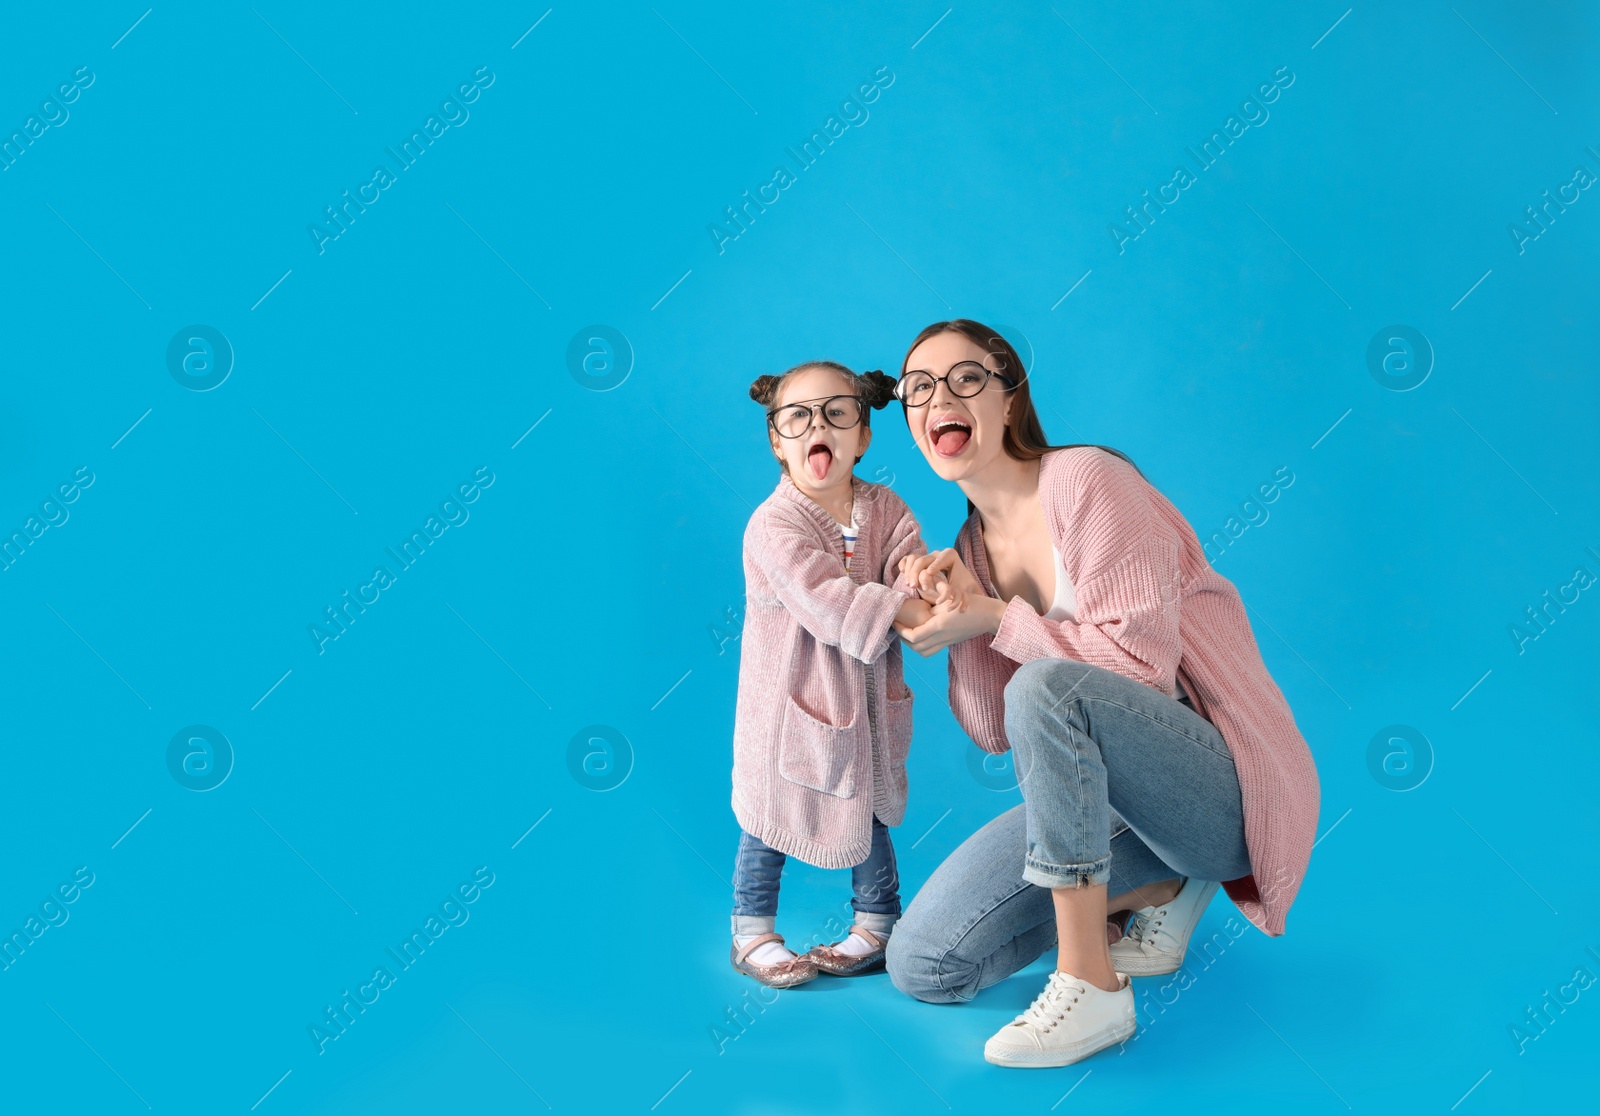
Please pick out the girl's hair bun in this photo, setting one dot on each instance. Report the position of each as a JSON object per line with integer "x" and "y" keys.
{"x": 877, "y": 389}
{"x": 765, "y": 389}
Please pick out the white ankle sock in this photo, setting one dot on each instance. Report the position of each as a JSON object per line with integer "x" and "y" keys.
{"x": 855, "y": 946}
{"x": 767, "y": 953}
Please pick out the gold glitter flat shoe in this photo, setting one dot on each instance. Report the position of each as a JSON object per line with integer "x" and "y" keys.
{"x": 830, "y": 960}
{"x": 785, "y": 974}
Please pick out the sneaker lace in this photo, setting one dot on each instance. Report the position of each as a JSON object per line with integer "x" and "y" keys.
{"x": 1052, "y": 1005}
{"x": 1147, "y": 925}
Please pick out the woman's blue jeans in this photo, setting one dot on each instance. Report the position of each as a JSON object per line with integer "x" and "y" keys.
{"x": 1121, "y": 785}
{"x": 758, "y": 866}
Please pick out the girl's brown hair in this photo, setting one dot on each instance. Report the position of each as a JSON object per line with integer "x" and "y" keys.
{"x": 875, "y": 388}
{"x": 1024, "y": 437}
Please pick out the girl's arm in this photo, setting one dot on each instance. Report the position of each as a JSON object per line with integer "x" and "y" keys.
{"x": 905, "y": 542}
{"x": 811, "y": 582}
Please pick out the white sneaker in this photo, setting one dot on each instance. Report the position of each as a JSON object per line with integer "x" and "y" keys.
{"x": 1160, "y": 935}
{"x": 1069, "y": 1021}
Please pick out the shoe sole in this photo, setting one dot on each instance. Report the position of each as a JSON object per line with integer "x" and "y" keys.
{"x": 1050, "y": 1060}
{"x": 1140, "y": 967}
{"x": 860, "y": 970}
{"x": 781, "y": 984}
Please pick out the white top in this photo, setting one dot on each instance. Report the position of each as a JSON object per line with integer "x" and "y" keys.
{"x": 1065, "y": 604}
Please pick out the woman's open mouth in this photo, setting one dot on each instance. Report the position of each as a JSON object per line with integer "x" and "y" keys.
{"x": 949, "y": 436}
{"x": 818, "y": 459}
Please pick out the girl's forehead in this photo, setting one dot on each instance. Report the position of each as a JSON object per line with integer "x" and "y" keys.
{"x": 814, "y": 383}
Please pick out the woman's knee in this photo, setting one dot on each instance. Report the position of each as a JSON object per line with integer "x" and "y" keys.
{"x": 1046, "y": 690}
{"x": 1050, "y": 682}
{"x": 917, "y": 968}
{"x": 1030, "y": 681}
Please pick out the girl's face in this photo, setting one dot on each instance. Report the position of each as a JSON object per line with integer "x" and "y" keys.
{"x": 821, "y": 457}
{"x": 959, "y": 436}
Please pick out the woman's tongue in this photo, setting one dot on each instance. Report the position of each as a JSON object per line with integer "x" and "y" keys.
{"x": 948, "y": 443}
{"x": 818, "y": 461}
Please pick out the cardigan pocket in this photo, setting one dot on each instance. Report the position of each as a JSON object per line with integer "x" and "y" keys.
{"x": 897, "y": 732}
{"x": 814, "y": 754}
{"x": 897, "y": 727}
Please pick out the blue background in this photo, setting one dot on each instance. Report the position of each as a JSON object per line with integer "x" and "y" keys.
{"x": 598, "y": 580}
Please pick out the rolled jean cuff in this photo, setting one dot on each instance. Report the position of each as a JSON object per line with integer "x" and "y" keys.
{"x": 880, "y": 924}
{"x": 1094, "y": 873}
{"x": 747, "y": 926}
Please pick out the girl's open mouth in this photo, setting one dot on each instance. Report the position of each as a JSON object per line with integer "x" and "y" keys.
{"x": 949, "y": 436}
{"x": 818, "y": 459}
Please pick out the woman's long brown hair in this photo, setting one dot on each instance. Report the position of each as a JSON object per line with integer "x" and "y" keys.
{"x": 1024, "y": 437}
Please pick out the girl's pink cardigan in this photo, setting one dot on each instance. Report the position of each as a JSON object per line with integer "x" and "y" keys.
{"x": 1150, "y": 606}
{"x": 823, "y": 719}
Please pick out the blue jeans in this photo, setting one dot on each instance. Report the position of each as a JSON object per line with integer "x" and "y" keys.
{"x": 757, "y": 866}
{"x": 1121, "y": 785}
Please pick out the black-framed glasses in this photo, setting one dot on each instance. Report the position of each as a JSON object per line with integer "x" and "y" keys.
{"x": 965, "y": 380}
{"x": 792, "y": 420}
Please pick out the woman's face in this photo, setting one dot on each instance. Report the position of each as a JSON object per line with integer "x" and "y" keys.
{"x": 959, "y": 436}
{"x": 820, "y": 459}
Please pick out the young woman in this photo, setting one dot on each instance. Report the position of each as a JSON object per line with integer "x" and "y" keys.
{"x": 1155, "y": 754}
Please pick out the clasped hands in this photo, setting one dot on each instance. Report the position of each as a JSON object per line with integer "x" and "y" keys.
{"x": 950, "y": 607}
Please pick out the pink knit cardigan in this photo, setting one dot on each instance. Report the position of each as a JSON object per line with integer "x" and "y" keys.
{"x": 823, "y": 719}
{"x": 1150, "y": 606}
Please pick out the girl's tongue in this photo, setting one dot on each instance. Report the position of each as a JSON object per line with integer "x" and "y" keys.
{"x": 818, "y": 460}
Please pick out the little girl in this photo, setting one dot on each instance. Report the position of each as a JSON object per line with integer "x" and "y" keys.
{"x": 823, "y": 720}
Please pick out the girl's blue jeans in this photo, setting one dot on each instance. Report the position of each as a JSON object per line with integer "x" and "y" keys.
{"x": 758, "y": 866}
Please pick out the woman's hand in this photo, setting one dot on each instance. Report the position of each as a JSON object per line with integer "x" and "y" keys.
{"x": 949, "y": 624}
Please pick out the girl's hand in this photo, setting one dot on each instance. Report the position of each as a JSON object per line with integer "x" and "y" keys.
{"x": 940, "y": 590}
{"x": 950, "y": 624}
{"x": 929, "y": 569}
{"x": 914, "y": 564}
{"x": 913, "y": 612}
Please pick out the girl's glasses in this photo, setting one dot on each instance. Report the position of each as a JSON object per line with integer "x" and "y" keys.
{"x": 793, "y": 419}
{"x": 965, "y": 380}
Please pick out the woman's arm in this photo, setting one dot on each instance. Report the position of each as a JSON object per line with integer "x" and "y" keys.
{"x": 1127, "y": 611}
{"x": 1126, "y": 621}
{"x": 1126, "y": 557}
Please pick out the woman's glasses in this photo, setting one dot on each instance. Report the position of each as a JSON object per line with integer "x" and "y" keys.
{"x": 965, "y": 380}
{"x": 792, "y": 420}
